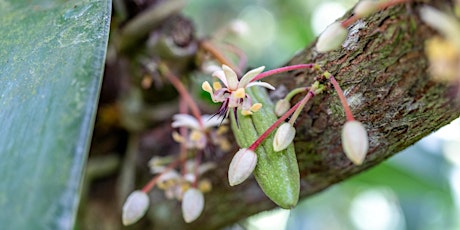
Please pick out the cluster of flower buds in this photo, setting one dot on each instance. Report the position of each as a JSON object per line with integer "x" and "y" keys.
{"x": 138, "y": 202}
{"x": 179, "y": 186}
{"x": 200, "y": 132}
{"x": 194, "y": 134}
{"x": 354, "y": 136}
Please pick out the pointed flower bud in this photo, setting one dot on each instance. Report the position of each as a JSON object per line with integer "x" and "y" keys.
{"x": 283, "y": 137}
{"x": 281, "y": 107}
{"x": 355, "y": 141}
{"x": 241, "y": 167}
{"x": 331, "y": 38}
{"x": 192, "y": 204}
{"x": 365, "y": 7}
{"x": 135, "y": 207}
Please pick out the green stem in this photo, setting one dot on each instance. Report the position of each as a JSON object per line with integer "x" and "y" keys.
{"x": 294, "y": 92}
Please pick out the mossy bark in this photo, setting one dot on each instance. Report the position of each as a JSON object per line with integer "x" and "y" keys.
{"x": 384, "y": 72}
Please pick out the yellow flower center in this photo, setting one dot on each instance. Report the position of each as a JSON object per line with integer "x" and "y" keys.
{"x": 216, "y": 85}
{"x": 256, "y": 107}
{"x": 240, "y": 93}
{"x": 196, "y": 135}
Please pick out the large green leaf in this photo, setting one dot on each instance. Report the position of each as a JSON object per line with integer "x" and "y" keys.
{"x": 52, "y": 56}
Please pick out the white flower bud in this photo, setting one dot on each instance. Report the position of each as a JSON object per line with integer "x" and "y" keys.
{"x": 192, "y": 204}
{"x": 135, "y": 207}
{"x": 238, "y": 27}
{"x": 283, "y": 137}
{"x": 241, "y": 167}
{"x": 331, "y": 38}
{"x": 365, "y": 7}
{"x": 355, "y": 141}
{"x": 281, "y": 107}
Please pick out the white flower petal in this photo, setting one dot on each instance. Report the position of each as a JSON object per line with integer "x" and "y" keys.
{"x": 135, "y": 207}
{"x": 192, "y": 204}
{"x": 185, "y": 120}
{"x": 355, "y": 141}
{"x": 211, "y": 120}
{"x": 207, "y": 87}
{"x": 260, "y": 83}
{"x": 204, "y": 167}
{"x": 190, "y": 177}
{"x": 232, "y": 78}
{"x": 169, "y": 175}
{"x": 249, "y": 76}
{"x": 221, "y": 75}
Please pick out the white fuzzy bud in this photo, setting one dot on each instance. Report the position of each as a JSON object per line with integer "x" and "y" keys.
{"x": 331, "y": 38}
{"x": 135, "y": 207}
{"x": 241, "y": 167}
{"x": 239, "y": 27}
{"x": 192, "y": 204}
{"x": 365, "y": 7}
{"x": 355, "y": 142}
{"x": 283, "y": 137}
{"x": 281, "y": 107}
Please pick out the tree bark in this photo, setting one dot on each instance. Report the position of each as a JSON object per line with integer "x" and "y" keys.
{"x": 383, "y": 71}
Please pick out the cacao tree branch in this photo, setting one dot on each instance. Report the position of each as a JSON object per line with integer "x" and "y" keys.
{"x": 383, "y": 71}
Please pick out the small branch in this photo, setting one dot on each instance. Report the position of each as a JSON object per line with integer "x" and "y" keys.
{"x": 183, "y": 92}
{"x": 209, "y": 47}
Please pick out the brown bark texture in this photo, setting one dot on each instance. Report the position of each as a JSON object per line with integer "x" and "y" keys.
{"x": 383, "y": 71}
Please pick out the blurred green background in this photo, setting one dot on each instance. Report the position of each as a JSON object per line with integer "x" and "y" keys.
{"x": 419, "y": 188}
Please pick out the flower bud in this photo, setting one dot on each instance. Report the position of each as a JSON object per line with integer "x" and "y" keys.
{"x": 135, "y": 207}
{"x": 365, "y": 7}
{"x": 241, "y": 167}
{"x": 283, "y": 137}
{"x": 355, "y": 141}
{"x": 281, "y": 107}
{"x": 192, "y": 204}
{"x": 331, "y": 38}
{"x": 238, "y": 27}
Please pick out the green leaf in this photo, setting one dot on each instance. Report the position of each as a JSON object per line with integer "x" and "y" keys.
{"x": 51, "y": 61}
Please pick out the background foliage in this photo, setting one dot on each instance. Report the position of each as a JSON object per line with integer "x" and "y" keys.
{"x": 51, "y": 63}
